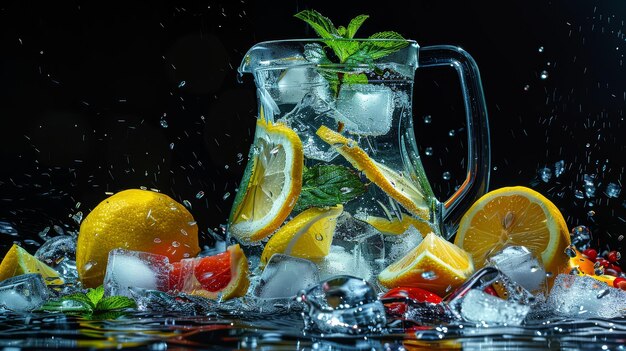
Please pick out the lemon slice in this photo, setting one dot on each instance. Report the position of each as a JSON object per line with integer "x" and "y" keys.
{"x": 271, "y": 183}
{"x": 18, "y": 261}
{"x": 515, "y": 216}
{"x": 395, "y": 226}
{"x": 435, "y": 265}
{"x": 308, "y": 235}
{"x": 391, "y": 182}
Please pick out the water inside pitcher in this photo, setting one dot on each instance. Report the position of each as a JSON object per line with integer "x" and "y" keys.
{"x": 323, "y": 125}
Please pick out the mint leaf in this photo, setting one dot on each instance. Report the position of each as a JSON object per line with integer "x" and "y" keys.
{"x": 328, "y": 185}
{"x": 342, "y": 31}
{"x": 115, "y": 303}
{"x": 96, "y": 294}
{"x": 66, "y": 305}
{"x": 354, "y": 25}
{"x": 80, "y": 297}
{"x": 352, "y": 78}
{"x": 379, "y": 49}
{"x": 320, "y": 24}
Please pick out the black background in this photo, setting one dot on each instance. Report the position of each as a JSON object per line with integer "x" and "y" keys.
{"x": 86, "y": 88}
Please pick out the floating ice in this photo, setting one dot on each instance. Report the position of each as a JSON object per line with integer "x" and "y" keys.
{"x": 366, "y": 109}
{"x": 585, "y": 297}
{"x": 23, "y": 292}
{"x": 340, "y": 262}
{"x": 559, "y": 168}
{"x": 478, "y": 306}
{"x": 613, "y": 190}
{"x": 589, "y": 185}
{"x": 127, "y": 269}
{"x": 343, "y": 304}
{"x": 519, "y": 264}
{"x": 284, "y": 276}
{"x": 580, "y": 237}
{"x": 545, "y": 174}
{"x": 56, "y": 250}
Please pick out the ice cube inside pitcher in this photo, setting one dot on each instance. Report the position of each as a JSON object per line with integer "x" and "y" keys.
{"x": 366, "y": 109}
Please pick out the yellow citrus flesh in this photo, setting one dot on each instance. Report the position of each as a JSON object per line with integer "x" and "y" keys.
{"x": 273, "y": 185}
{"x": 308, "y": 235}
{"x": 134, "y": 219}
{"x": 18, "y": 261}
{"x": 400, "y": 188}
{"x": 395, "y": 226}
{"x": 435, "y": 265}
{"x": 515, "y": 216}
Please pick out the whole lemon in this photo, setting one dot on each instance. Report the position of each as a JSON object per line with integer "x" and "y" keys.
{"x": 134, "y": 219}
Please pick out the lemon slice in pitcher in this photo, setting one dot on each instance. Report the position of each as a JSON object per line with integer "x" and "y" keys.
{"x": 391, "y": 182}
{"x": 271, "y": 183}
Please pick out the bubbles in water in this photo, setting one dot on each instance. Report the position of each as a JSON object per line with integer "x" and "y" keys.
{"x": 428, "y": 119}
{"x": 545, "y": 174}
{"x": 446, "y": 175}
{"x": 157, "y": 240}
{"x": 429, "y": 275}
{"x": 543, "y": 74}
{"x": 540, "y": 49}
{"x": 613, "y": 190}
{"x": 428, "y": 151}
{"x": 175, "y": 244}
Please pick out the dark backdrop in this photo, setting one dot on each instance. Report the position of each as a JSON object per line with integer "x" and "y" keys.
{"x": 97, "y": 98}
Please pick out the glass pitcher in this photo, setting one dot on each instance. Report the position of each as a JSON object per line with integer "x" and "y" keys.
{"x": 356, "y": 115}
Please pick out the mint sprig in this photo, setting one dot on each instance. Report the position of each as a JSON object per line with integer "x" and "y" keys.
{"x": 349, "y": 52}
{"x": 91, "y": 302}
{"x": 328, "y": 185}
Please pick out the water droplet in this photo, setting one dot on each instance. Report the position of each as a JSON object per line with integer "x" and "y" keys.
{"x": 613, "y": 190}
{"x": 620, "y": 238}
{"x": 157, "y": 240}
{"x": 428, "y": 151}
{"x": 89, "y": 265}
{"x": 534, "y": 269}
{"x": 446, "y": 175}
{"x": 543, "y": 74}
{"x": 602, "y": 293}
{"x": 181, "y": 84}
{"x": 428, "y": 119}
{"x": 579, "y": 194}
{"x": 545, "y": 174}
{"x": 540, "y": 49}
{"x": 346, "y": 190}
{"x": 429, "y": 275}
{"x": 163, "y": 123}
{"x": 526, "y": 87}
{"x": 175, "y": 244}
{"x": 559, "y": 168}
{"x": 226, "y": 195}
{"x": 171, "y": 146}
{"x": 452, "y": 132}
{"x": 591, "y": 213}
{"x": 200, "y": 195}
{"x": 319, "y": 237}
{"x": 187, "y": 204}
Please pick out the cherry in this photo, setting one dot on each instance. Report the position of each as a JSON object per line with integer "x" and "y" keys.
{"x": 591, "y": 254}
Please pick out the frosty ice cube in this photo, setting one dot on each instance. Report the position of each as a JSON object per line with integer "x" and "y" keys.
{"x": 585, "y": 297}
{"x": 128, "y": 268}
{"x": 284, "y": 276}
{"x": 23, "y": 292}
{"x": 343, "y": 304}
{"x": 57, "y": 249}
{"x": 478, "y": 306}
{"x": 296, "y": 82}
{"x": 400, "y": 245}
{"x": 366, "y": 109}
{"x": 341, "y": 262}
{"x": 519, "y": 264}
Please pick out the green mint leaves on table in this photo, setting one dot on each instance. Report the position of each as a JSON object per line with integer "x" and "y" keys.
{"x": 328, "y": 185}
{"x": 89, "y": 303}
{"x": 346, "y": 51}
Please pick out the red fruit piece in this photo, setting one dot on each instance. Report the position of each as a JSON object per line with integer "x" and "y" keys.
{"x": 212, "y": 272}
{"x": 416, "y": 294}
{"x": 603, "y": 262}
{"x": 591, "y": 254}
{"x": 619, "y": 283}
{"x": 613, "y": 256}
{"x": 491, "y": 291}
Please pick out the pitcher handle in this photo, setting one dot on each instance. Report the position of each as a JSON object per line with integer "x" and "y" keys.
{"x": 479, "y": 156}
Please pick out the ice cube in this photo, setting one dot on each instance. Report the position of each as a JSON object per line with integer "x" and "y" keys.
{"x": 23, "y": 292}
{"x": 400, "y": 245}
{"x": 57, "y": 249}
{"x": 585, "y": 297}
{"x": 296, "y": 82}
{"x": 366, "y": 109}
{"x": 128, "y": 268}
{"x": 343, "y": 304}
{"x": 285, "y": 276}
{"x": 478, "y": 306}
{"x": 340, "y": 262}
{"x": 519, "y": 264}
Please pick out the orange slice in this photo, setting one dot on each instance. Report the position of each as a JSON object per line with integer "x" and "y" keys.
{"x": 394, "y": 184}
{"x": 18, "y": 261}
{"x": 271, "y": 183}
{"x": 395, "y": 226}
{"x": 222, "y": 276}
{"x": 515, "y": 216}
{"x": 435, "y": 265}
